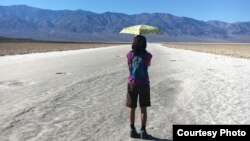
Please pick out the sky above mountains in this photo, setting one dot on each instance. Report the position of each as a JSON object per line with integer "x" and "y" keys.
{"x": 223, "y": 10}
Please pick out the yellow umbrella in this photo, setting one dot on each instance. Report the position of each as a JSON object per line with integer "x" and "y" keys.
{"x": 140, "y": 29}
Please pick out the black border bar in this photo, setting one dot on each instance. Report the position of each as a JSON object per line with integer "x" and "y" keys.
{"x": 211, "y": 132}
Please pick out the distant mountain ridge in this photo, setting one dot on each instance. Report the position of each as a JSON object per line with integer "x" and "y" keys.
{"x": 21, "y": 21}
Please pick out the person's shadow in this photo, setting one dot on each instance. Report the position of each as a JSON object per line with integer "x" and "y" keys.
{"x": 152, "y": 138}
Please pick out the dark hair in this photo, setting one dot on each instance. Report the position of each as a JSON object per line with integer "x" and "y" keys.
{"x": 139, "y": 45}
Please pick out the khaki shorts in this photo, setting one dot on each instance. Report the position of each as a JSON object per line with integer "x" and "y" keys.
{"x": 132, "y": 95}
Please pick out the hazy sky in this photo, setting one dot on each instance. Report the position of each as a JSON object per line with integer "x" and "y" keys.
{"x": 224, "y": 10}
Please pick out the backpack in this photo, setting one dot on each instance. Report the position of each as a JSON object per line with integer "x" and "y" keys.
{"x": 138, "y": 68}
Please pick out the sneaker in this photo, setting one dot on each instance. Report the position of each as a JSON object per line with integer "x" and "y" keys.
{"x": 143, "y": 134}
{"x": 133, "y": 133}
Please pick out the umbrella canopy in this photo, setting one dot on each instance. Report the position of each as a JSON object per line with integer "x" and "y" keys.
{"x": 140, "y": 29}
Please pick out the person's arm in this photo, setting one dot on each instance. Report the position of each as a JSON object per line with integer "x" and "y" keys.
{"x": 149, "y": 59}
{"x": 129, "y": 64}
{"x": 128, "y": 60}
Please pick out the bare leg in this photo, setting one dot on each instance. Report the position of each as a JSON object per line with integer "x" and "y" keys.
{"x": 133, "y": 133}
{"x": 143, "y": 116}
{"x": 132, "y": 115}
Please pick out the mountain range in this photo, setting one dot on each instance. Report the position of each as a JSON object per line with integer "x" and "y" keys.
{"x": 21, "y": 21}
